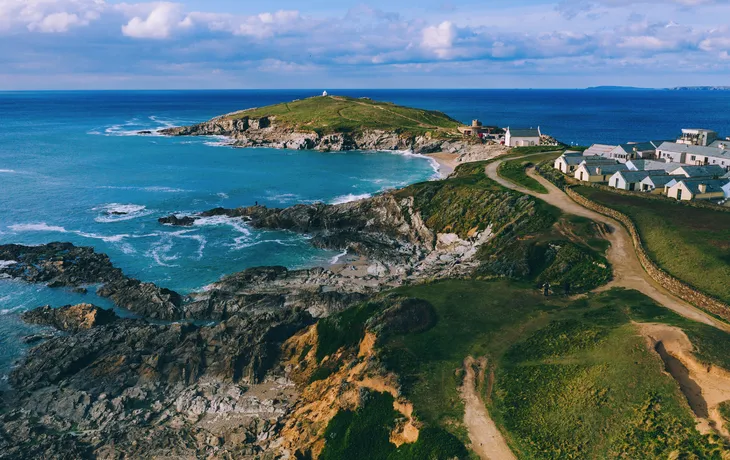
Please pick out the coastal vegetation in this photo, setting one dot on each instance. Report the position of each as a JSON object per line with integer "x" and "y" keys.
{"x": 566, "y": 378}
{"x": 340, "y": 114}
{"x": 691, "y": 243}
{"x": 516, "y": 170}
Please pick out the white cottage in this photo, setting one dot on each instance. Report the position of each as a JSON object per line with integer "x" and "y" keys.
{"x": 522, "y": 137}
{"x": 631, "y": 180}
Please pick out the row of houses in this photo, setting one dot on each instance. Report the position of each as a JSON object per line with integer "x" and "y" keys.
{"x": 682, "y": 170}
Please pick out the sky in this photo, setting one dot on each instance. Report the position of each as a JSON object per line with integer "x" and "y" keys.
{"x": 220, "y": 44}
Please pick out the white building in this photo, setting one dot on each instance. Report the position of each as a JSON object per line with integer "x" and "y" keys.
{"x": 631, "y": 180}
{"x": 699, "y": 172}
{"x": 600, "y": 150}
{"x": 650, "y": 165}
{"x": 700, "y": 137}
{"x": 597, "y": 173}
{"x": 698, "y": 189}
{"x": 657, "y": 184}
{"x": 522, "y": 137}
{"x": 673, "y": 152}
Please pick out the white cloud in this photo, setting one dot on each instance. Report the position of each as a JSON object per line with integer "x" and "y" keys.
{"x": 159, "y": 23}
{"x": 48, "y": 16}
{"x": 439, "y": 39}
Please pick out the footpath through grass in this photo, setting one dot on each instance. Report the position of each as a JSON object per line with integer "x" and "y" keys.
{"x": 516, "y": 170}
{"x": 572, "y": 379}
{"x": 692, "y": 244}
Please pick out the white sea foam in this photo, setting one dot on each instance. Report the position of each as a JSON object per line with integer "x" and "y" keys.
{"x": 235, "y": 222}
{"x": 164, "y": 189}
{"x": 40, "y": 227}
{"x": 219, "y": 141}
{"x": 43, "y": 227}
{"x": 223, "y": 195}
{"x": 337, "y": 258}
{"x": 349, "y": 197}
{"x": 8, "y": 171}
{"x": 6, "y": 264}
{"x": 116, "y": 212}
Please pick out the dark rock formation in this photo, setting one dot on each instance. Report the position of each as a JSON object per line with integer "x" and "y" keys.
{"x": 66, "y": 265}
{"x": 383, "y": 227}
{"x": 271, "y": 289}
{"x": 133, "y": 389}
{"x": 71, "y": 318}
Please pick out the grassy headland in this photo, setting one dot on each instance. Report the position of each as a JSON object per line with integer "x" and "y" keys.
{"x": 566, "y": 379}
{"x": 339, "y": 114}
{"x": 691, "y": 243}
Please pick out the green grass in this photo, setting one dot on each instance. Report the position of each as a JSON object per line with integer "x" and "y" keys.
{"x": 469, "y": 201}
{"x": 365, "y": 432}
{"x": 691, "y": 243}
{"x": 573, "y": 378}
{"x": 336, "y": 114}
{"x": 516, "y": 170}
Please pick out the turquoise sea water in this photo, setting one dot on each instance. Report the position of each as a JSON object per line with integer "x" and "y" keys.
{"x": 68, "y": 160}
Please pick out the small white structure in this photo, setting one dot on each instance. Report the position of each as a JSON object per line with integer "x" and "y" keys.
{"x": 324, "y": 93}
{"x": 657, "y": 184}
{"x": 600, "y": 173}
{"x": 631, "y": 180}
{"x": 600, "y": 150}
{"x": 522, "y": 137}
{"x": 651, "y": 165}
{"x": 697, "y": 189}
{"x": 699, "y": 172}
{"x": 568, "y": 161}
{"x": 633, "y": 150}
{"x": 698, "y": 155}
{"x": 702, "y": 137}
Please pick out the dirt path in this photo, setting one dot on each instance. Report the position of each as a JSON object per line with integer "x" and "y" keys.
{"x": 627, "y": 270}
{"x": 486, "y": 440}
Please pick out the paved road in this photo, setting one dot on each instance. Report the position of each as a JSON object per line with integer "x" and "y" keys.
{"x": 628, "y": 272}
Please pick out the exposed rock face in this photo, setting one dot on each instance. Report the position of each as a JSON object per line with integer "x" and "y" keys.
{"x": 71, "y": 318}
{"x": 137, "y": 389}
{"x": 270, "y": 289}
{"x": 66, "y": 265}
{"x": 266, "y": 132}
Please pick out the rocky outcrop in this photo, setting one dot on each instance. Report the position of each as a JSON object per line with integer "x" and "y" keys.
{"x": 269, "y": 289}
{"x": 267, "y": 132}
{"x": 385, "y": 227}
{"x": 66, "y": 265}
{"x": 133, "y": 389}
{"x": 71, "y": 318}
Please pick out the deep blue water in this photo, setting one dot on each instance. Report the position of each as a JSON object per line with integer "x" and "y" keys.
{"x": 69, "y": 158}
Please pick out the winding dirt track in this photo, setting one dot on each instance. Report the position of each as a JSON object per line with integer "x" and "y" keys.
{"x": 627, "y": 270}
{"x": 486, "y": 439}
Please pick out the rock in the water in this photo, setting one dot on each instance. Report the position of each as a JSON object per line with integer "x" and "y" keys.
{"x": 66, "y": 265}
{"x": 70, "y": 318}
{"x": 185, "y": 221}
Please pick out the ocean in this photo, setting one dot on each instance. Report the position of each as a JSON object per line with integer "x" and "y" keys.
{"x": 73, "y": 169}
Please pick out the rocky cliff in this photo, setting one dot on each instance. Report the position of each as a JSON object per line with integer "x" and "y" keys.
{"x": 267, "y": 132}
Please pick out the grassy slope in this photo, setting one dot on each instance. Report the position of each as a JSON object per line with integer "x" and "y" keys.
{"x": 515, "y": 170}
{"x": 332, "y": 114}
{"x": 692, "y": 244}
{"x": 573, "y": 378}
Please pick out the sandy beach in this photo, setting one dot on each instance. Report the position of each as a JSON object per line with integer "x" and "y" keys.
{"x": 447, "y": 162}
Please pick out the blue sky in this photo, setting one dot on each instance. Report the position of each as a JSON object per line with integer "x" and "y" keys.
{"x": 110, "y": 44}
